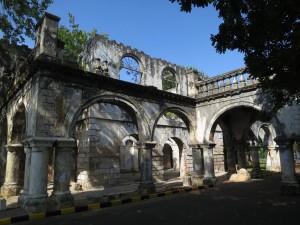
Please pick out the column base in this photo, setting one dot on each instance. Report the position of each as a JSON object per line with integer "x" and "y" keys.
{"x": 289, "y": 188}
{"x": 60, "y": 200}
{"x": 197, "y": 180}
{"x": 210, "y": 181}
{"x": 256, "y": 173}
{"x": 187, "y": 181}
{"x": 146, "y": 188}
{"x": 34, "y": 205}
{"x": 8, "y": 190}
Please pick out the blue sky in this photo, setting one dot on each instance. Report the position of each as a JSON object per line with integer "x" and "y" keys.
{"x": 156, "y": 27}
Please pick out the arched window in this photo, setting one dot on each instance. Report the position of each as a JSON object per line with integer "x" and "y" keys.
{"x": 130, "y": 70}
{"x": 169, "y": 80}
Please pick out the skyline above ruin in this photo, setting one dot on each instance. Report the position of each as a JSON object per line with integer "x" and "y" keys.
{"x": 157, "y": 28}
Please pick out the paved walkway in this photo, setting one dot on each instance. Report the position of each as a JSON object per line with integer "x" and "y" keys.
{"x": 102, "y": 195}
{"x": 269, "y": 187}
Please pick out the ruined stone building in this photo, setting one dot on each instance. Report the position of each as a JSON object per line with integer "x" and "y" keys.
{"x": 125, "y": 117}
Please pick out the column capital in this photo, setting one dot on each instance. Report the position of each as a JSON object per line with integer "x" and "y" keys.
{"x": 254, "y": 147}
{"x": 283, "y": 141}
{"x": 14, "y": 147}
{"x": 194, "y": 146}
{"x": 208, "y": 145}
{"x": 147, "y": 144}
{"x": 49, "y": 142}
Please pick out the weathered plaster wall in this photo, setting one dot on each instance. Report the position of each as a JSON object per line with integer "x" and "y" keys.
{"x": 152, "y": 68}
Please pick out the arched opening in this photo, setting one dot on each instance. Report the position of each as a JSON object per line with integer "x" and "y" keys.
{"x": 170, "y": 158}
{"x": 169, "y": 82}
{"x": 167, "y": 157}
{"x": 130, "y": 70}
{"x": 106, "y": 135}
{"x": 231, "y": 128}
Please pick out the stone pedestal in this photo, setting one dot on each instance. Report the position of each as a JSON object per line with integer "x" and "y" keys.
{"x": 61, "y": 196}
{"x": 146, "y": 184}
{"x": 208, "y": 157}
{"x": 11, "y": 186}
{"x": 198, "y": 165}
{"x": 289, "y": 184}
{"x": 256, "y": 171}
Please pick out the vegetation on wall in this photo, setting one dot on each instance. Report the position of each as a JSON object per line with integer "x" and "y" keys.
{"x": 74, "y": 39}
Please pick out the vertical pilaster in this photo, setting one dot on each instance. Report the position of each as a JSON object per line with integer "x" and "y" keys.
{"x": 198, "y": 165}
{"x": 256, "y": 171}
{"x": 146, "y": 184}
{"x": 208, "y": 158}
{"x": 12, "y": 186}
{"x": 61, "y": 196}
{"x": 289, "y": 184}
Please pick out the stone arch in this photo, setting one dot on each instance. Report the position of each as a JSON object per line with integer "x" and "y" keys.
{"x": 187, "y": 119}
{"x": 131, "y": 65}
{"x": 141, "y": 120}
{"x": 169, "y": 80}
{"x": 208, "y": 132}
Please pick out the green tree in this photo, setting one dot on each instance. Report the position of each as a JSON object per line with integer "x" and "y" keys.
{"x": 268, "y": 33}
{"x": 19, "y": 17}
{"x": 74, "y": 39}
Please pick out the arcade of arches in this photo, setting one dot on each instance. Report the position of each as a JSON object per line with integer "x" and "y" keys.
{"x": 130, "y": 119}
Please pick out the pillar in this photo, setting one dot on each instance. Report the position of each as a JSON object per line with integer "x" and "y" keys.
{"x": 37, "y": 197}
{"x": 289, "y": 184}
{"x": 61, "y": 196}
{"x": 24, "y": 192}
{"x": 146, "y": 184}
{"x": 231, "y": 169}
{"x": 198, "y": 165}
{"x": 241, "y": 154}
{"x": 12, "y": 186}
{"x": 256, "y": 171}
{"x": 208, "y": 158}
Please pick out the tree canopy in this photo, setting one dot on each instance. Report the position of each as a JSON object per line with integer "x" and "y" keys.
{"x": 268, "y": 33}
{"x": 74, "y": 39}
{"x": 19, "y": 17}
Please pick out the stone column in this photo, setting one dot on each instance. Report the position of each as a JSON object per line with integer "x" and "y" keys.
{"x": 241, "y": 154}
{"x": 230, "y": 160}
{"x": 37, "y": 197}
{"x": 11, "y": 186}
{"x": 24, "y": 192}
{"x": 256, "y": 171}
{"x": 198, "y": 165}
{"x": 208, "y": 158}
{"x": 289, "y": 184}
{"x": 146, "y": 185}
{"x": 61, "y": 196}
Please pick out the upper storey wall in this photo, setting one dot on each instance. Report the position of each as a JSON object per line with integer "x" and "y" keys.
{"x": 151, "y": 69}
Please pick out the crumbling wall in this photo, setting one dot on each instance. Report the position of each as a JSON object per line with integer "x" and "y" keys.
{"x": 100, "y": 47}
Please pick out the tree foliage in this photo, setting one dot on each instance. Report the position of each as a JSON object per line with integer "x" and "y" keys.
{"x": 268, "y": 33}
{"x": 19, "y": 17}
{"x": 74, "y": 39}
